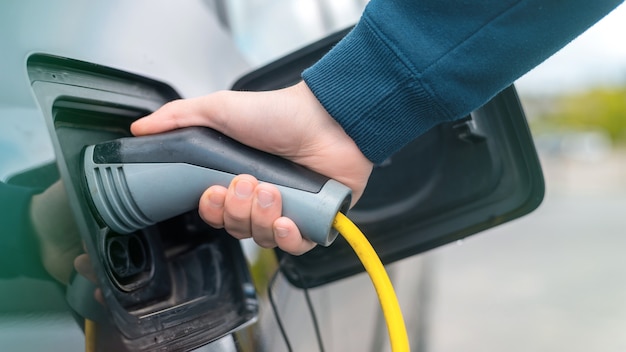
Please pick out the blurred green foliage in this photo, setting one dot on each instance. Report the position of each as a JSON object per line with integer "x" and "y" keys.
{"x": 262, "y": 269}
{"x": 598, "y": 109}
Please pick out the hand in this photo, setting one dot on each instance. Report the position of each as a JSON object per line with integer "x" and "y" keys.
{"x": 290, "y": 123}
{"x": 59, "y": 240}
{"x": 84, "y": 267}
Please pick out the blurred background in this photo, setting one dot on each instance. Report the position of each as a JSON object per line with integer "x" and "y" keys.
{"x": 555, "y": 279}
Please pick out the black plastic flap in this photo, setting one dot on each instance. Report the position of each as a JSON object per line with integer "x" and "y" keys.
{"x": 175, "y": 285}
{"x": 458, "y": 179}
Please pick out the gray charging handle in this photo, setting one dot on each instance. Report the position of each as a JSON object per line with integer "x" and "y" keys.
{"x": 138, "y": 181}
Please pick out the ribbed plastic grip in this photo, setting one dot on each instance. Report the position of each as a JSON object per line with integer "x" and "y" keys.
{"x": 131, "y": 196}
{"x": 110, "y": 193}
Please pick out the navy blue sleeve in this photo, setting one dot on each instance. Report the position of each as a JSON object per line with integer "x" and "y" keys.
{"x": 409, "y": 65}
{"x": 19, "y": 249}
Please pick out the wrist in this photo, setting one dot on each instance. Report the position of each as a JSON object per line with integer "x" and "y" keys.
{"x": 333, "y": 153}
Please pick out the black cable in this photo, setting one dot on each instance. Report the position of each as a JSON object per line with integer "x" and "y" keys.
{"x": 318, "y": 333}
{"x": 275, "y": 309}
{"x": 309, "y": 302}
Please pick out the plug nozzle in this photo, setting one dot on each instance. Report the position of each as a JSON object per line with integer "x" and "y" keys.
{"x": 139, "y": 181}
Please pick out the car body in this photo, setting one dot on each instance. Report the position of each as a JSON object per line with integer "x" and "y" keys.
{"x": 193, "y": 49}
{"x": 186, "y": 47}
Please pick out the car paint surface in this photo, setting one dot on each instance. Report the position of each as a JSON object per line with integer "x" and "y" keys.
{"x": 186, "y": 47}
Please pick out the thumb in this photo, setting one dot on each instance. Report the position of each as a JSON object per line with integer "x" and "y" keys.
{"x": 175, "y": 114}
{"x": 243, "y": 116}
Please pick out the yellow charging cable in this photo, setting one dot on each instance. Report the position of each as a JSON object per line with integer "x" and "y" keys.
{"x": 90, "y": 335}
{"x": 374, "y": 267}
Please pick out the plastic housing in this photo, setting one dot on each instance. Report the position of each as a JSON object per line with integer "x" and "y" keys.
{"x": 175, "y": 285}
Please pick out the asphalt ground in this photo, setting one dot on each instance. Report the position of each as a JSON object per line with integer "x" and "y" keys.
{"x": 554, "y": 280}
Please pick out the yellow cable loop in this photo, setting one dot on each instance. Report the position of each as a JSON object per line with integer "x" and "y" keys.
{"x": 374, "y": 267}
{"x": 90, "y": 336}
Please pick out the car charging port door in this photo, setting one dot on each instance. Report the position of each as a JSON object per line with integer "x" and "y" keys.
{"x": 175, "y": 285}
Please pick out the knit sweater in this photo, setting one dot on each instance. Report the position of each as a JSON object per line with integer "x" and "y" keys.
{"x": 409, "y": 65}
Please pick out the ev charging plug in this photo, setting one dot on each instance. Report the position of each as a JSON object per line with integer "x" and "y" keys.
{"x": 135, "y": 182}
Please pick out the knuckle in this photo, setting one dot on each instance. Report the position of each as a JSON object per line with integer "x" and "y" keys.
{"x": 264, "y": 242}
{"x": 239, "y": 235}
{"x": 237, "y": 217}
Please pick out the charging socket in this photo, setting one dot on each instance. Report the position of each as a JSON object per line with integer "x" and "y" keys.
{"x": 175, "y": 285}
{"x": 129, "y": 260}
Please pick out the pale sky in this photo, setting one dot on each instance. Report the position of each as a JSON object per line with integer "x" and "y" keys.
{"x": 597, "y": 57}
{"x": 266, "y": 30}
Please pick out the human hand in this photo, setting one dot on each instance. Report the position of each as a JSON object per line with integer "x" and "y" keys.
{"x": 59, "y": 240}
{"x": 84, "y": 267}
{"x": 290, "y": 123}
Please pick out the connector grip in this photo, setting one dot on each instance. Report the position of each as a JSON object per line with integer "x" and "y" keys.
{"x": 137, "y": 181}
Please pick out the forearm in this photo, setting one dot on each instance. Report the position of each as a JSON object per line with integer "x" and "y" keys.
{"x": 409, "y": 65}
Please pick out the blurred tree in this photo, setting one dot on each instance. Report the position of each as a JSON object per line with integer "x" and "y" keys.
{"x": 599, "y": 109}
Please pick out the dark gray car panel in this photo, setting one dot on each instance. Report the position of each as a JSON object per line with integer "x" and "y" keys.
{"x": 456, "y": 180}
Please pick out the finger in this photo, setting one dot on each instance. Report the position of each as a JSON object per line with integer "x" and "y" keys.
{"x": 238, "y": 205}
{"x": 239, "y": 115}
{"x": 98, "y": 296}
{"x": 266, "y": 208}
{"x": 289, "y": 239}
{"x": 83, "y": 266}
{"x": 175, "y": 114}
{"x": 211, "y": 207}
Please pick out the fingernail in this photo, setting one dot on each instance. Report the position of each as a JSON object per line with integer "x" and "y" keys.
{"x": 216, "y": 200}
{"x": 243, "y": 189}
{"x": 281, "y": 232}
{"x": 265, "y": 199}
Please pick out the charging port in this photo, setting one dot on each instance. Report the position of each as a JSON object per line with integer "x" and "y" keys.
{"x": 128, "y": 259}
{"x": 173, "y": 285}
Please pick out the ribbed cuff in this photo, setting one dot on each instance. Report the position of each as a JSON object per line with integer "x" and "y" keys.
{"x": 376, "y": 98}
